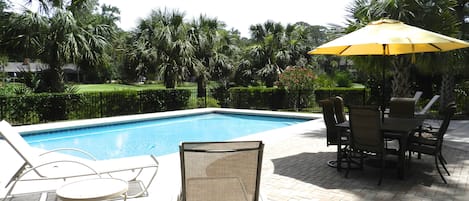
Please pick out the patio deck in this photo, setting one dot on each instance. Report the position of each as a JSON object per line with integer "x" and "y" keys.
{"x": 295, "y": 169}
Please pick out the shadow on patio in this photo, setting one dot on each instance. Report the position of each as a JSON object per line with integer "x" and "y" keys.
{"x": 421, "y": 180}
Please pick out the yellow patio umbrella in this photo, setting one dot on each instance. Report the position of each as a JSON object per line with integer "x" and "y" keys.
{"x": 389, "y": 37}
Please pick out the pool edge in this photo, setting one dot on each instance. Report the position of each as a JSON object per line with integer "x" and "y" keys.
{"x": 74, "y": 124}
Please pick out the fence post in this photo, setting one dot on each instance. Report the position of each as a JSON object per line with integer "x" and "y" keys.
{"x": 101, "y": 104}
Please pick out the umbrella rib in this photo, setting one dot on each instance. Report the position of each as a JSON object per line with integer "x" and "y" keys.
{"x": 345, "y": 49}
{"x": 436, "y": 47}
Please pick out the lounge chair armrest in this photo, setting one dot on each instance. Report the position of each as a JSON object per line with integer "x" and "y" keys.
{"x": 59, "y": 161}
{"x": 70, "y": 149}
{"x": 12, "y": 184}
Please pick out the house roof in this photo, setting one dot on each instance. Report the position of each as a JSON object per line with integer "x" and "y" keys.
{"x": 12, "y": 67}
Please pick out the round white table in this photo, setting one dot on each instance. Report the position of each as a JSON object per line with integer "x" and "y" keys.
{"x": 93, "y": 189}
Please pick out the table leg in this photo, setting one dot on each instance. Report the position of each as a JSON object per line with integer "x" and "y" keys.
{"x": 339, "y": 150}
{"x": 402, "y": 160}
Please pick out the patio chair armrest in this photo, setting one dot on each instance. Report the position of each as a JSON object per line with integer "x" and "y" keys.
{"x": 70, "y": 149}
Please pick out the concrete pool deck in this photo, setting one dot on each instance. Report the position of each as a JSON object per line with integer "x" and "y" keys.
{"x": 295, "y": 169}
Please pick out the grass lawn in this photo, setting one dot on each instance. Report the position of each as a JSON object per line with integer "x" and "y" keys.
{"x": 83, "y": 88}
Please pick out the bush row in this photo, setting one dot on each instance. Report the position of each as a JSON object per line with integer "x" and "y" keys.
{"x": 277, "y": 98}
{"x": 47, "y": 107}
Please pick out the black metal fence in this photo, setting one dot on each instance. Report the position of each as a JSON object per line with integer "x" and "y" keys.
{"x": 41, "y": 108}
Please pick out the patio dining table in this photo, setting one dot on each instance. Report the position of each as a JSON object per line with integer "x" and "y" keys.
{"x": 393, "y": 128}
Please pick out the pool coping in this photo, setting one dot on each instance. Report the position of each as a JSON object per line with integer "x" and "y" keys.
{"x": 75, "y": 124}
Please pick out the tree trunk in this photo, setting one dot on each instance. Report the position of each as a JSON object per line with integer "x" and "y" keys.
{"x": 56, "y": 79}
{"x": 401, "y": 84}
{"x": 169, "y": 78}
{"x": 447, "y": 89}
{"x": 201, "y": 86}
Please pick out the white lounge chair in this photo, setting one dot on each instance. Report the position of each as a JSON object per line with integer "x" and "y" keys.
{"x": 428, "y": 106}
{"x": 35, "y": 166}
{"x": 417, "y": 96}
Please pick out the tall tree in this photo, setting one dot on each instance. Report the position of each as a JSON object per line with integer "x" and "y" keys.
{"x": 170, "y": 51}
{"x": 57, "y": 40}
{"x": 203, "y": 36}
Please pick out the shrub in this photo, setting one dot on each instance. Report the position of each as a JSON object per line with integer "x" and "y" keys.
{"x": 343, "y": 79}
{"x": 299, "y": 82}
{"x": 297, "y": 78}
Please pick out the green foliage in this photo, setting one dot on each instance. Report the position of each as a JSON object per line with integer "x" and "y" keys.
{"x": 11, "y": 89}
{"x": 324, "y": 81}
{"x": 297, "y": 78}
{"x": 343, "y": 79}
{"x": 202, "y": 103}
{"x": 221, "y": 94}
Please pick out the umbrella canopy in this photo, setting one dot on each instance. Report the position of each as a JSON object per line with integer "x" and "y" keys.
{"x": 389, "y": 37}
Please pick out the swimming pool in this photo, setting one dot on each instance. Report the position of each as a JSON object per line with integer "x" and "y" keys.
{"x": 157, "y": 136}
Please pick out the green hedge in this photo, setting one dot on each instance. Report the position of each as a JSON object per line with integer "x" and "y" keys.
{"x": 270, "y": 98}
{"x": 257, "y": 98}
{"x": 351, "y": 96}
{"x": 47, "y": 107}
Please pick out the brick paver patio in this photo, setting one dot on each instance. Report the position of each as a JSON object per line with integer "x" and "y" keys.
{"x": 295, "y": 170}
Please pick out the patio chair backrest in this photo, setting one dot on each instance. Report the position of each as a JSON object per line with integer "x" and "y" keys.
{"x": 450, "y": 109}
{"x": 339, "y": 109}
{"x": 330, "y": 121}
{"x": 402, "y": 107}
{"x": 221, "y": 170}
{"x": 365, "y": 126}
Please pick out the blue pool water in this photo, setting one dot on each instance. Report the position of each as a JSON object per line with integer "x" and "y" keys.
{"x": 158, "y": 137}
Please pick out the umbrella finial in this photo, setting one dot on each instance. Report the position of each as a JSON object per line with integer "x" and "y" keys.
{"x": 385, "y": 21}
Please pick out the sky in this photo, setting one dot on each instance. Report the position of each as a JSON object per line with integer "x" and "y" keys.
{"x": 237, "y": 14}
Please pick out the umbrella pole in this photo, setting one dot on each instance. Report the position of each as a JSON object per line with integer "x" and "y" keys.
{"x": 383, "y": 108}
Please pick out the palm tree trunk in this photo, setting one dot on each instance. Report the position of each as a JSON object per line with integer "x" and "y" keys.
{"x": 56, "y": 79}
{"x": 401, "y": 82}
{"x": 201, "y": 86}
{"x": 447, "y": 89}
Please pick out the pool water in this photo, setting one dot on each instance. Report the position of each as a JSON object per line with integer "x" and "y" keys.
{"x": 157, "y": 137}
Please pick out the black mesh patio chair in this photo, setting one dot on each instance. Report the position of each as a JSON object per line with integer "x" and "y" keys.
{"x": 402, "y": 107}
{"x": 431, "y": 143}
{"x": 366, "y": 137}
{"x": 214, "y": 171}
{"x": 332, "y": 132}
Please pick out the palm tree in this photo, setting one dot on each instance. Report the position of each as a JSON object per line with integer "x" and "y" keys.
{"x": 267, "y": 51}
{"x": 203, "y": 35}
{"x": 170, "y": 50}
{"x": 55, "y": 41}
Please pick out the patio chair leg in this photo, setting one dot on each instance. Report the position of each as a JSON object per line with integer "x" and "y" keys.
{"x": 444, "y": 167}
{"x": 382, "y": 169}
{"x": 438, "y": 169}
{"x": 349, "y": 159}
{"x": 443, "y": 159}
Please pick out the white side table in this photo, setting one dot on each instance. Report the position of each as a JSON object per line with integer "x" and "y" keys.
{"x": 93, "y": 189}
